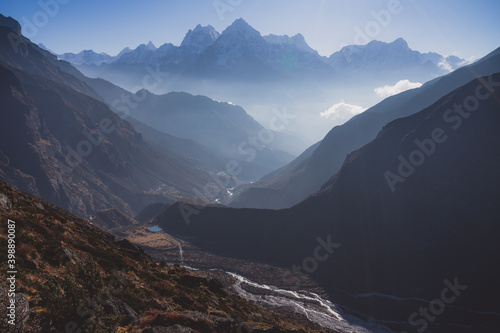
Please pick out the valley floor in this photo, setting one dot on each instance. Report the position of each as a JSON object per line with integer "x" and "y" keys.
{"x": 300, "y": 300}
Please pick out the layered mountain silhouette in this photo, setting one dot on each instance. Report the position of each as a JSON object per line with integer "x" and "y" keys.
{"x": 307, "y": 174}
{"x": 221, "y": 131}
{"x": 60, "y": 143}
{"x": 240, "y": 49}
{"x": 397, "y": 240}
{"x": 218, "y": 132}
{"x": 75, "y": 152}
{"x": 160, "y": 167}
{"x": 239, "y": 52}
{"x": 388, "y": 213}
{"x": 222, "y": 127}
{"x": 240, "y": 64}
{"x": 226, "y": 131}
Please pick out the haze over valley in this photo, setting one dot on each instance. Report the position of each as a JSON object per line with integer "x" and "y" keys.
{"x": 249, "y": 166}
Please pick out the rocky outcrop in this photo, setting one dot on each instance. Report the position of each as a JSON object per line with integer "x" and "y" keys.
{"x": 5, "y": 203}
{"x": 122, "y": 310}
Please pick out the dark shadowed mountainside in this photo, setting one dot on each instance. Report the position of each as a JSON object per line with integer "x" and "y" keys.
{"x": 401, "y": 228}
{"x": 75, "y": 152}
{"x": 17, "y": 51}
{"x": 292, "y": 185}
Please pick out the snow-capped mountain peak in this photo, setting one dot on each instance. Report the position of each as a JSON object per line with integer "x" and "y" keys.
{"x": 235, "y": 41}
{"x": 400, "y": 42}
{"x": 300, "y": 43}
{"x": 86, "y": 57}
{"x": 276, "y": 39}
{"x": 122, "y": 52}
{"x": 297, "y": 41}
{"x": 207, "y": 30}
{"x": 381, "y": 56}
{"x": 141, "y": 54}
{"x": 198, "y": 39}
{"x": 151, "y": 46}
{"x": 241, "y": 29}
{"x": 142, "y": 48}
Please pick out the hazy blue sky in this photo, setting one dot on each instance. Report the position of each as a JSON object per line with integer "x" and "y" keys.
{"x": 463, "y": 27}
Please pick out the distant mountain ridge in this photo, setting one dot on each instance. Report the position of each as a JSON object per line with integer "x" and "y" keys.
{"x": 266, "y": 72}
{"x": 240, "y": 38}
{"x": 295, "y": 182}
{"x": 376, "y": 57}
{"x": 86, "y": 57}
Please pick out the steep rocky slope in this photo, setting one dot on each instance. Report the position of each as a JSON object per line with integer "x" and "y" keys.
{"x": 73, "y": 276}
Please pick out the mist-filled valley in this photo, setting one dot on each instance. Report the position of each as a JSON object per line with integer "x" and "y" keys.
{"x": 234, "y": 174}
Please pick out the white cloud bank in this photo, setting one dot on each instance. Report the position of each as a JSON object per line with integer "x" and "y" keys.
{"x": 342, "y": 111}
{"x": 401, "y": 86}
{"x": 450, "y": 63}
{"x": 443, "y": 64}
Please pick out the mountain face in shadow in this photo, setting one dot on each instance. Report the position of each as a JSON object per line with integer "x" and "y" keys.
{"x": 408, "y": 214}
{"x": 217, "y": 132}
{"x": 19, "y": 52}
{"x": 223, "y": 128}
{"x": 10, "y": 23}
{"x": 75, "y": 152}
{"x": 69, "y": 148}
{"x": 294, "y": 184}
